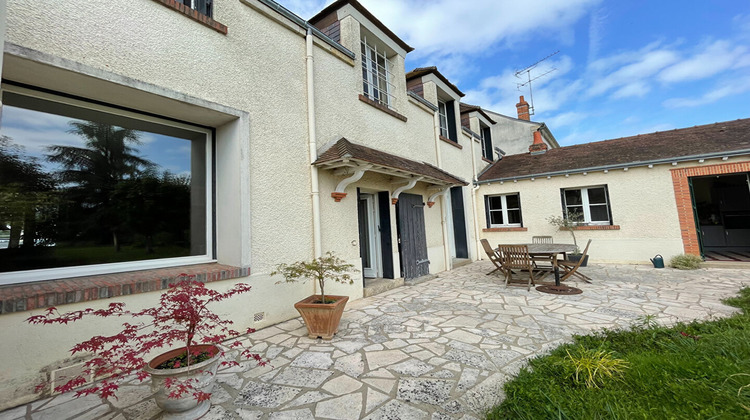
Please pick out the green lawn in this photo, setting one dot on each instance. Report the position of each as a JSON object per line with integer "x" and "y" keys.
{"x": 699, "y": 370}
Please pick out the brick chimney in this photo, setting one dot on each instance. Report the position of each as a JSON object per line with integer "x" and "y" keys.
{"x": 523, "y": 109}
{"x": 538, "y": 147}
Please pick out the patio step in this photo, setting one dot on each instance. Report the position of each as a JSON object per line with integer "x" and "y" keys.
{"x": 377, "y": 286}
{"x": 460, "y": 262}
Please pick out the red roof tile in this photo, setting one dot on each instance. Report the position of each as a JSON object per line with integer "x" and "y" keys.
{"x": 464, "y": 108}
{"x": 421, "y": 71}
{"x": 344, "y": 149}
{"x": 718, "y": 138}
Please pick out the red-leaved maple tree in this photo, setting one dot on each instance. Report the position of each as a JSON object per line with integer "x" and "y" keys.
{"x": 182, "y": 318}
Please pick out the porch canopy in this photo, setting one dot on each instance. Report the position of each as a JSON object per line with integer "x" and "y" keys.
{"x": 347, "y": 158}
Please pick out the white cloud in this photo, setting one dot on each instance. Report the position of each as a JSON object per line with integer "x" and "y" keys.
{"x": 445, "y": 27}
{"x": 639, "y": 70}
{"x": 734, "y": 87}
{"x": 566, "y": 119}
{"x": 597, "y": 24}
{"x": 305, "y": 8}
{"x": 710, "y": 60}
{"x": 500, "y": 92}
{"x": 636, "y": 89}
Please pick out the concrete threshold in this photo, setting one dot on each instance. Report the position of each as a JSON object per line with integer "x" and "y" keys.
{"x": 376, "y": 286}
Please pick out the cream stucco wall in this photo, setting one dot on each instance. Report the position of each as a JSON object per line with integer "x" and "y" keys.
{"x": 642, "y": 203}
{"x": 512, "y": 135}
{"x": 249, "y": 85}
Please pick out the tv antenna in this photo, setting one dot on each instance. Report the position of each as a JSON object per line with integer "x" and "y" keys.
{"x": 529, "y": 79}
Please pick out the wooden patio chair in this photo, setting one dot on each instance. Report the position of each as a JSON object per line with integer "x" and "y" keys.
{"x": 493, "y": 256}
{"x": 570, "y": 268}
{"x": 546, "y": 262}
{"x": 516, "y": 257}
{"x": 542, "y": 240}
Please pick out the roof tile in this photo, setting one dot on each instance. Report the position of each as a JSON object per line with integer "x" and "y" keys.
{"x": 729, "y": 136}
{"x": 346, "y": 149}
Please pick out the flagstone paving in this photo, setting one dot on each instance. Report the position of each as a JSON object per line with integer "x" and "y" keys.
{"x": 437, "y": 350}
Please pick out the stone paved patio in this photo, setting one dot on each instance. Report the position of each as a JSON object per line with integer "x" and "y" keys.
{"x": 438, "y": 350}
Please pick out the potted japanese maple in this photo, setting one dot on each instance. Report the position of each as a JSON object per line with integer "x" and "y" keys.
{"x": 569, "y": 222}
{"x": 321, "y": 313}
{"x": 181, "y": 378}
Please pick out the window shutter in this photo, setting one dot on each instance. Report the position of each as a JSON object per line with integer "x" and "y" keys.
{"x": 487, "y": 138}
{"x": 384, "y": 209}
{"x": 609, "y": 205}
{"x": 451, "y": 114}
{"x": 520, "y": 209}
{"x": 487, "y": 210}
{"x": 562, "y": 202}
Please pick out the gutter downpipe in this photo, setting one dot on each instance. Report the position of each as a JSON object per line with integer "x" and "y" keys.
{"x": 313, "y": 146}
{"x": 474, "y": 188}
{"x": 443, "y": 200}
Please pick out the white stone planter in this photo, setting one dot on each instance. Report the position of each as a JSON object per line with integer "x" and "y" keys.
{"x": 185, "y": 407}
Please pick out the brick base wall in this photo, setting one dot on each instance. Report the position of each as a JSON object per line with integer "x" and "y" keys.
{"x": 680, "y": 177}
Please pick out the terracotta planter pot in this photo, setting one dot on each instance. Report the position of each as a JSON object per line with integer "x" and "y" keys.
{"x": 185, "y": 407}
{"x": 321, "y": 319}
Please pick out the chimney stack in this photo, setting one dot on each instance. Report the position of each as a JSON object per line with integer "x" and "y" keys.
{"x": 523, "y": 109}
{"x": 538, "y": 147}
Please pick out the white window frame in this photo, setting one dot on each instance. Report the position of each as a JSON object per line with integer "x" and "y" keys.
{"x": 586, "y": 206}
{"x": 443, "y": 118}
{"x": 504, "y": 210}
{"x": 376, "y": 77}
{"x": 27, "y": 276}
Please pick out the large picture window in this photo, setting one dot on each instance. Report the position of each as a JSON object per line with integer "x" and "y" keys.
{"x": 98, "y": 189}
{"x": 591, "y": 204}
{"x": 503, "y": 210}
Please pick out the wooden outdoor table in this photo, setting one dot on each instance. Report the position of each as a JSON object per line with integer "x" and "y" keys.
{"x": 551, "y": 251}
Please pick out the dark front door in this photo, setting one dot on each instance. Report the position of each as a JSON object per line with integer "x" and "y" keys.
{"x": 412, "y": 237}
{"x": 459, "y": 223}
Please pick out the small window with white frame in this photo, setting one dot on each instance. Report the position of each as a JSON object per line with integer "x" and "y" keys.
{"x": 443, "y": 116}
{"x": 592, "y": 203}
{"x": 503, "y": 210}
{"x": 376, "y": 73}
{"x": 92, "y": 189}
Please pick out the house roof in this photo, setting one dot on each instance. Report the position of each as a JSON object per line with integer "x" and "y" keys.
{"x": 361, "y": 9}
{"x": 464, "y": 108}
{"x": 712, "y": 140}
{"x": 422, "y": 71}
{"x": 347, "y": 154}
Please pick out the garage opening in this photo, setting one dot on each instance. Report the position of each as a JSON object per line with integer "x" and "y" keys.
{"x": 722, "y": 210}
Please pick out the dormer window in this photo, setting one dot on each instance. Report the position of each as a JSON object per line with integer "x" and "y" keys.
{"x": 205, "y": 7}
{"x": 376, "y": 74}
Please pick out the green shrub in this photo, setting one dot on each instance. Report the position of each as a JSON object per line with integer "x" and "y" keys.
{"x": 592, "y": 367}
{"x": 686, "y": 262}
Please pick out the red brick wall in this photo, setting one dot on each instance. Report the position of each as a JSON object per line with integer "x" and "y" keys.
{"x": 684, "y": 201}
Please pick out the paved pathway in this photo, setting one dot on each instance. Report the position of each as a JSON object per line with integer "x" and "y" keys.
{"x": 438, "y": 350}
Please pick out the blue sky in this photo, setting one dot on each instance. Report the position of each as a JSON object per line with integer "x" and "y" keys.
{"x": 35, "y": 131}
{"x": 623, "y": 68}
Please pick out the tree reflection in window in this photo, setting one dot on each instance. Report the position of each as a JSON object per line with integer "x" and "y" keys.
{"x": 100, "y": 198}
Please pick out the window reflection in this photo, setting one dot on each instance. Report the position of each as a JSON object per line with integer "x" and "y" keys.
{"x": 82, "y": 186}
